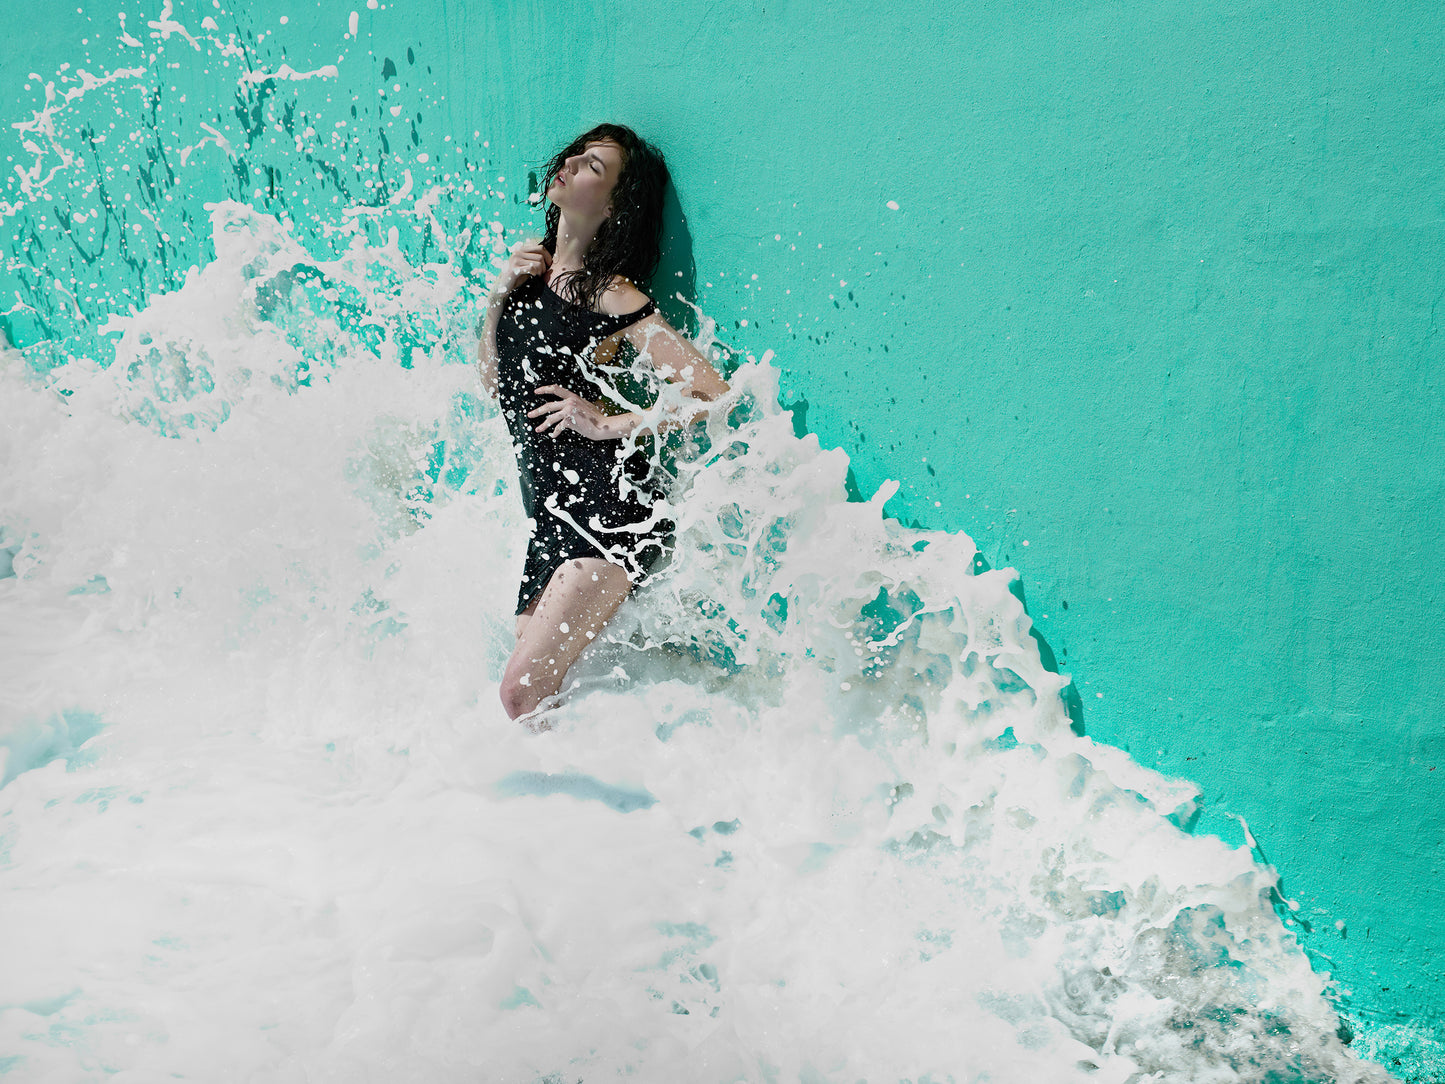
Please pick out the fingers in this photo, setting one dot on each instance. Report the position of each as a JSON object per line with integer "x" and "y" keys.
{"x": 553, "y": 414}
{"x": 556, "y": 420}
{"x": 529, "y": 258}
{"x": 559, "y": 414}
{"x": 532, "y": 248}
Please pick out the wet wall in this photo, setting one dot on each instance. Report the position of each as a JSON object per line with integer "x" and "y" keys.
{"x": 1145, "y": 298}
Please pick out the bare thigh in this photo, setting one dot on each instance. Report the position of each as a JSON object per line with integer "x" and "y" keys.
{"x": 525, "y": 617}
{"x": 577, "y": 602}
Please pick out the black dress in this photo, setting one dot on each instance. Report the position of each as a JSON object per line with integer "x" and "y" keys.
{"x": 586, "y": 498}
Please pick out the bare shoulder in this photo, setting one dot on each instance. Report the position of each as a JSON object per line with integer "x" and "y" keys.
{"x": 621, "y": 298}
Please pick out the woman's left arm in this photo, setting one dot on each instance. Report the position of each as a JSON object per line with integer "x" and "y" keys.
{"x": 676, "y": 359}
{"x": 670, "y": 354}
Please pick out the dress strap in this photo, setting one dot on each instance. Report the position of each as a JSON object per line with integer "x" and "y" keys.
{"x": 617, "y": 322}
{"x": 627, "y": 319}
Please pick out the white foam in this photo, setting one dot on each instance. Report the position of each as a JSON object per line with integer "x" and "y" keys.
{"x": 812, "y": 809}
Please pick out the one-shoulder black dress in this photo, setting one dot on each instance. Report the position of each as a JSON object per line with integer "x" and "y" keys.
{"x": 586, "y": 498}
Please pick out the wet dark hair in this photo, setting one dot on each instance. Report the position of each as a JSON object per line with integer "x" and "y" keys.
{"x": 629, "y": 241}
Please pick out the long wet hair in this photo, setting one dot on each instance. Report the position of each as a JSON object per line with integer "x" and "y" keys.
{"x": 629, "y": 241}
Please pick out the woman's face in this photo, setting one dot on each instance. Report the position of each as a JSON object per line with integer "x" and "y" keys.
{"x": 584, "y": 186}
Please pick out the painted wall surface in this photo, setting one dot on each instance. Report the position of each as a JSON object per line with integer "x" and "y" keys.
{"x": 1145, "y": 297}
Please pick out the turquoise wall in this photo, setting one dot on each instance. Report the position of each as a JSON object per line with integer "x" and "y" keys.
{"x": 1155, "y": 320}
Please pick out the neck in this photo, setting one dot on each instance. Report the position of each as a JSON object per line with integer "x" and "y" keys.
{"x": 573, "y": 240}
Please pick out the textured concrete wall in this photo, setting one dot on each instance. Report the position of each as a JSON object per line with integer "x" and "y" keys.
{"x": 1159, "y": 303}
{"x": 1155, "y": 319}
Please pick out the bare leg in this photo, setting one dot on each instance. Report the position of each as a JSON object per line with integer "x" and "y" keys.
{"x": 526, "y": 616}
{"x": 578, "y": 600}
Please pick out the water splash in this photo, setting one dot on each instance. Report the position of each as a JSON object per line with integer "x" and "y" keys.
{"x": 873, "y": 845}
{"x": 264, "y": 538}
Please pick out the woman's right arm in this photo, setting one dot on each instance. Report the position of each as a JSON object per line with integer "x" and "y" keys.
{"x": 528, "y": 258}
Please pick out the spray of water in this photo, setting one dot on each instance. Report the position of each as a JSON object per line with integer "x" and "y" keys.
{"x": 811, "y": 809}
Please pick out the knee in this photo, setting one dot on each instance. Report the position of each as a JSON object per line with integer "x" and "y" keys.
{"x": 517, "y": 693}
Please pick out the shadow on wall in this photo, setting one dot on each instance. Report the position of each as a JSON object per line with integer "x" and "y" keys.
{"x": 1073, "y": 703}
{"x": 677, "y": 273}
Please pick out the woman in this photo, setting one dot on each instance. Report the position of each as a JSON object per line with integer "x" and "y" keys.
{"x": 558, "y": 310}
